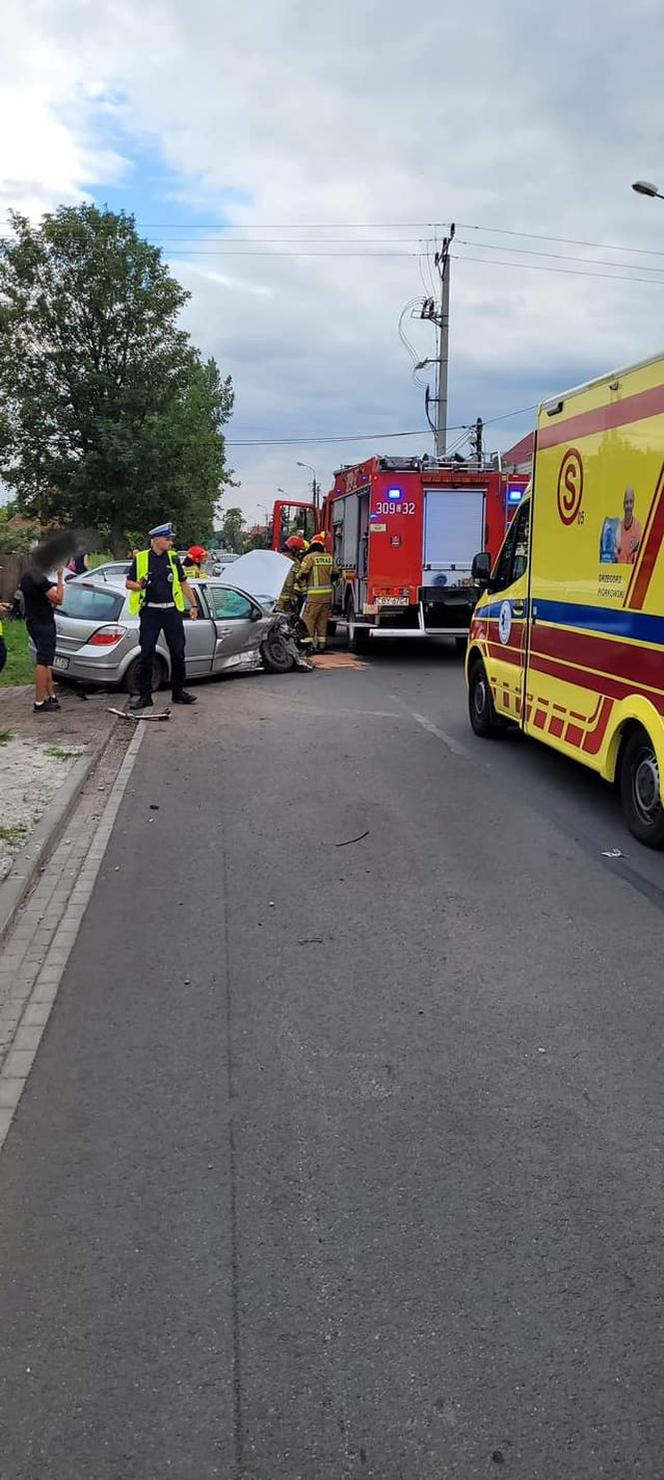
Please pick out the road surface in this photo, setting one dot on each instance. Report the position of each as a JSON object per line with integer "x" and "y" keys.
{"x": 344, "y": 1158}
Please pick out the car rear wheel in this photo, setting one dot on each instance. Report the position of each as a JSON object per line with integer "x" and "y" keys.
{"x": 276, "y": 653}
{"x": 481, "y": 708}
{"x": 640, "y": 790}
{"x": 130, "y": 681}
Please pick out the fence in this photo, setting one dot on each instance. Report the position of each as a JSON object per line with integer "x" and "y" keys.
{"x": 11, "y": 569}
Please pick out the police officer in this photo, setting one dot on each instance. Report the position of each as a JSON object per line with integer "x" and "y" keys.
{"x": 316, "y": 576}
{"x": 158, "y": 586}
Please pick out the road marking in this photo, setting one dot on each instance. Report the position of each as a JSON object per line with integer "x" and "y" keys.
{"x": 454, "y": 745}
{"x": 31, "y": 1013}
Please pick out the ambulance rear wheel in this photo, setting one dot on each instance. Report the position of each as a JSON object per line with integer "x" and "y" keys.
{"x": 640, "y": 790}
{"x": 483, "y": 718}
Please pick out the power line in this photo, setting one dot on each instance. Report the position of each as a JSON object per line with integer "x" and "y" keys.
{"x": 565, "y": 241}
{"x": 560, "y": 256}
{"x": 196, "y": 252}
{"x": 365, "y": 436}
{"x": 562, "y": 271}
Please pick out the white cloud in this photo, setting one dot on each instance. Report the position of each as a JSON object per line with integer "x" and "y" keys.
{"x": 362, "y": 112}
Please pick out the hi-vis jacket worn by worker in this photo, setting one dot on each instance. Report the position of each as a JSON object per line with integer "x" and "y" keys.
{"x": 137, "y": 599}
{"x": 289, "y": 598}
{"x": 316, "y": 575}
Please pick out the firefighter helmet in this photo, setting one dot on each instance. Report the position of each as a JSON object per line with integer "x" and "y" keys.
{"x": 296, "y": 542}
{"x": 320, "y": 538}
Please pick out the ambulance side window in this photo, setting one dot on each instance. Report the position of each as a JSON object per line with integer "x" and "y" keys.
{"x": 513, "y": 561}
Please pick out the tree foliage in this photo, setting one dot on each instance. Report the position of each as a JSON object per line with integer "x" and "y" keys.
{"x": 232, "y": 531}
{"x": 109, "y": 417}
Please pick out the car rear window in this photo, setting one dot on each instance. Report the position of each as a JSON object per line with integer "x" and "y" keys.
{"x": 91, "y": 604}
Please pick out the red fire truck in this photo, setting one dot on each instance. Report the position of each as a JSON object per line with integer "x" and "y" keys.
{"x": 404, "y": 532}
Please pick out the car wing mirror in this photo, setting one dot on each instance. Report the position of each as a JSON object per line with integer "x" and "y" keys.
{"x": 481, "y": 568}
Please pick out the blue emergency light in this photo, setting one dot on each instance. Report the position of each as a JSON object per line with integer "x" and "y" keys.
{"x": 514, "y": 495}
{"x": 393, "y": 494}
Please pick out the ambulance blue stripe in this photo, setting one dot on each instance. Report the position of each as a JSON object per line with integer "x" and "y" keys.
{"x": 608, "y": 621}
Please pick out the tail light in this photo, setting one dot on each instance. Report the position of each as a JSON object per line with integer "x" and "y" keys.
{"x": 107, "y": 637}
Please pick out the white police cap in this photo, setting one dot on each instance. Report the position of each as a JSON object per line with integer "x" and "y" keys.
{"x": 162, "y": 532}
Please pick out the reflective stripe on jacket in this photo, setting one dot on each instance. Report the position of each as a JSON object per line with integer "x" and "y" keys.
{"x": 137, "y": 599}
{"x": 317, "y": 573}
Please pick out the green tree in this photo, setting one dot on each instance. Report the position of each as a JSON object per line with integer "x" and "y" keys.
{"x": 109, "y": 418}
{"x": 16, "y": 539}
{"x": 232, "y": 531}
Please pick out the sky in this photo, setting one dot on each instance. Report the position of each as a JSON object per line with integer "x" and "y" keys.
{"x": 298, "y": 164}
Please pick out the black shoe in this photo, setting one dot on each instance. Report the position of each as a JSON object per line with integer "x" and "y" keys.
{"x": 184, "y": 698}
{"x": 52, "y": 703}
{"x": 43, "y": 708}
{"x": 140, "y": 703}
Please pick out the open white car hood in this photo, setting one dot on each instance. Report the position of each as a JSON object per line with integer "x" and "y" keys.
{"x": 259, "y": 573}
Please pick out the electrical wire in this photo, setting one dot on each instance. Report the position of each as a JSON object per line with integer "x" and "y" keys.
{"x": 565, "y": 241}
{"x": 560, "y": 256}
{"x": 562, "y": 271}
{"x": 366, "y": 436}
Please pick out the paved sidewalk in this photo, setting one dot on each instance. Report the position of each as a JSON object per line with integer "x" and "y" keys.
{"x": 79, "y": 722}
{"x": 37, "y": 949}
{"x": 38, "y": 753}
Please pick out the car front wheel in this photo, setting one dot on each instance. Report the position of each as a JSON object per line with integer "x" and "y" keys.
{"x": 276, "y": 652}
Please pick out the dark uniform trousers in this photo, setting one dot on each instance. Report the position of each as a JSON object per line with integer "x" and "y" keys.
{"x": 152, "y": 621}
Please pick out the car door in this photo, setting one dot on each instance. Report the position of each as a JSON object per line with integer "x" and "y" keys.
{"x": 508, "y": 626}
{"x": 237, "y": 633}
{"x": 200, "y": 638}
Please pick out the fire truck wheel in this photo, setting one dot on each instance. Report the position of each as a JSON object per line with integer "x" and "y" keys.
{"x": 640, "y": 790}
{"x": 482, "y": 710}
{"x": 359, "y": 641}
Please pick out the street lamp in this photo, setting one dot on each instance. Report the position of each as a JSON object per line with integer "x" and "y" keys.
{"x": 314, "y": 483}
{"x": 646, "y": 187}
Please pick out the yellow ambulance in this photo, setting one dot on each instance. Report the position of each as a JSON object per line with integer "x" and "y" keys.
{"x": 567, "y": 638}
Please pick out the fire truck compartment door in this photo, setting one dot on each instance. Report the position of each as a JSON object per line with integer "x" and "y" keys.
{"x": 350, "y": 530}
{"x": 453, "y": 528}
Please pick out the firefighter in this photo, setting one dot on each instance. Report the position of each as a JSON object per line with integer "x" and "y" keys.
{"x": 316, "y": 577}
{"x": 289, "y": 600}
{"x": 193, "y": 562}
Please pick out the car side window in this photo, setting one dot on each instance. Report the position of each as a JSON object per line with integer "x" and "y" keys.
{"x": 228, "y": 605}
{"x": 513, "y": 560}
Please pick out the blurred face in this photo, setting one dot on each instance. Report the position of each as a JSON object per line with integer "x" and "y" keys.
{"x": 629, "y": 506}
{"x": 161, "y": 544}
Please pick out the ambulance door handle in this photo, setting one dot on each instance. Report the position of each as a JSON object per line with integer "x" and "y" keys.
{"x": 518, "y": 608}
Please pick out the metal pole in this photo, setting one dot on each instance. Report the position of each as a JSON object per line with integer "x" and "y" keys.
{"x": 443, "y": 347}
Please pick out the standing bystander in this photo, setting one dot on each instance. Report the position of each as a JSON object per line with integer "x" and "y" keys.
{"x": 41, "y": 595}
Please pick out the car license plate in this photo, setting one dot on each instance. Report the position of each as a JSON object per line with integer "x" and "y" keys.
{"x": 59, "y": 662}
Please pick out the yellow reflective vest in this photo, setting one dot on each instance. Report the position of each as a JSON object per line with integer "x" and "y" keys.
{"x": 137, "y": 598}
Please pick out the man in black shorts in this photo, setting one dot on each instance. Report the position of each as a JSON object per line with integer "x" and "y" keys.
{"x": 41, "y": 596}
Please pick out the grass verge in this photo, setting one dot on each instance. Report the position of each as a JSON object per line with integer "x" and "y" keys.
{"x": 19, "y": 667}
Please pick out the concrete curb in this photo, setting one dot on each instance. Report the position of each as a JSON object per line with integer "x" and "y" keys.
{"x": 46, "y": 834}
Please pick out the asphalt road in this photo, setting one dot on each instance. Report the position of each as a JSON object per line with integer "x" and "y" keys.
{"x": 344, "y": 1158}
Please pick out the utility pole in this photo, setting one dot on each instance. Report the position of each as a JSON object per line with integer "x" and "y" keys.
{"x": 443, "y": 264}
{"x": 441, "y": 317}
